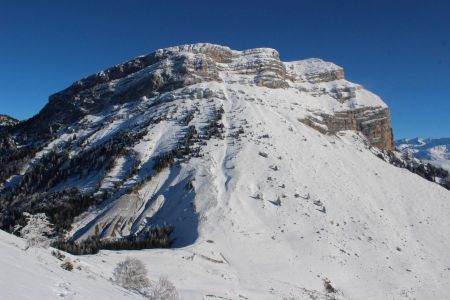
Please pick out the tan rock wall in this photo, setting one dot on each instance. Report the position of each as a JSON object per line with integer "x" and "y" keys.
{"x": 374, "y": 123}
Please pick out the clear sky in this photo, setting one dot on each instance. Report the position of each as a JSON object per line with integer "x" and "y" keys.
{"x": 398, "y": 49}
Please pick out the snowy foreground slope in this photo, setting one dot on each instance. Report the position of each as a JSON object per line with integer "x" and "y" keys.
{"x": 434, "y": 151}
{"x": 36, "y": 274}
{"x": 250, "y": 160}
{"x": 383, "y": 233}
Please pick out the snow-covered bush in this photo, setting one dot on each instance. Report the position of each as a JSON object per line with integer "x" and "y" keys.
{"x": 163, "y": 289}
{"x": 131, "y": 274}
{"x": 38, "y": 230}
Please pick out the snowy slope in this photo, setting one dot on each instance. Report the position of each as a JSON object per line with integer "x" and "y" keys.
{"x": 276, "y": 205}
{"x": 434, "y": 151}
{"x": 249, "y": 114}
{"x": 377, "y": 238}
{"x": 36, "y": 274}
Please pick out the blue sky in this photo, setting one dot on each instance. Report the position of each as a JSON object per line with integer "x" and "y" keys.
{"x": 398, "y": 49}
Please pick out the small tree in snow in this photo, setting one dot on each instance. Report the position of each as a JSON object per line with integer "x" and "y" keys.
{"x": 132, "y": 275}
{"x": 163, "y": 289}
{"x": 38, "y": 230}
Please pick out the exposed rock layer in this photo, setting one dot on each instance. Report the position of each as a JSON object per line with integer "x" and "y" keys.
{"x": 375, "y": 124}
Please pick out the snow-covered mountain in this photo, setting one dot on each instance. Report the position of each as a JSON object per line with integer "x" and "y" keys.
{"x": 266, "y": 170}
{"x": 434, "y": 151}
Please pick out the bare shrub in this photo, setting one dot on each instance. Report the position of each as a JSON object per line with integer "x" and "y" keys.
{"x": 131, "y": 274}
{"x": 163, "y": 289}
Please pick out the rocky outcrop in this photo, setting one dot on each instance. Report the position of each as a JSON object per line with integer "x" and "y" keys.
{"x": 7, "y": 120}
{"x": 314, "y": 70}
{"x": 375, "y": 124}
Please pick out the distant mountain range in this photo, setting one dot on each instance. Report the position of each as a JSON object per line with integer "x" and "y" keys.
{"x": 434, "y": 151}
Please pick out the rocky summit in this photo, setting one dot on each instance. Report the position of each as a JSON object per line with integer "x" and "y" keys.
{"x": 270, "y": 179}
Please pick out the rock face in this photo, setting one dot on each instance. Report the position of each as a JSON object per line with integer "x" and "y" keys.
{"x": 7, "y": 120}
{"x": 375, "y": 124}
{"x": 314, "y": 70}
{"x": 169, "y": 69}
